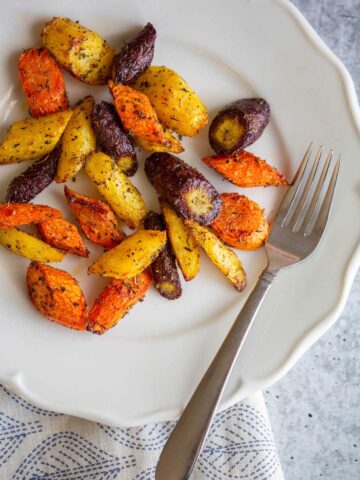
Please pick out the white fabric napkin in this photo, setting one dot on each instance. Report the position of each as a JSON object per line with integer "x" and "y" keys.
{"x": 36, "y": 444}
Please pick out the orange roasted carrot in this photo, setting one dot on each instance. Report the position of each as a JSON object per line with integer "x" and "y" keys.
{"x": 241, "y": 223}
{"x": 136, "y": 114}
{"x": 96, "y": 219}
{"x": 42, "y": 82}
{"x": 57, "y": 295}
{"x": 115, "y": 301}
{"x": 244, "y": 169}
{"x": 17, "y": 214}
{"x": 63, "y": 235}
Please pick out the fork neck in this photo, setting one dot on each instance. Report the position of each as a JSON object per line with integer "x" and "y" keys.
{"x": 268, "y": 276}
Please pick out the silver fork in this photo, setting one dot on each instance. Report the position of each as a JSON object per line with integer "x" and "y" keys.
{"x": 295, "y": 234}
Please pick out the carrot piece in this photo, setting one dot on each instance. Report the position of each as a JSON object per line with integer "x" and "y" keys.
{"x": 42, "y": 82}
{"x": 17, "y": 214}
{"x": 28, "y": 246}
{"x": 63, "y": 235}
{"x": 221, "y": 256}
{"x": 96, "y": 219}
{"x": 115, "y": 301}
{"x": 244, "y": 169}
{"x": 136, "y": 114}
{"x": 57, "y": 295}
{"x": 242, "y": 223}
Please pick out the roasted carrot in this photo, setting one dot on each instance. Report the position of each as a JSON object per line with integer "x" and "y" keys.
{"x": 115, "y": 301}
{"x": 221, "y": 256}
{"x": 116, "y": 188}
{"x": 57, "y": 295}
{"x": 242, "y": 223}
{"x": 34, "y": 179}
{"x": 244, "y": 169}
{"x": 63, "y": 235}
{"x": 28, "y": 246}
{"x": 184, "y": 245}
{"x": 96, "y": 219}
{"x": 131, "y": 257}
{"x": 16, "y": 214}
{"x": 42, "y": 82}
{"x": 136, "y": 114}
{"x": 163, "y": 269}
{"x": 33, "y": 138}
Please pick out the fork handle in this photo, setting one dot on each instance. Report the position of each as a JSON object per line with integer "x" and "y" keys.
{"x": 183, "y": 447}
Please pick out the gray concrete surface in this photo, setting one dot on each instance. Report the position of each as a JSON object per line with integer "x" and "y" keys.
{"x": 315, "y": 409}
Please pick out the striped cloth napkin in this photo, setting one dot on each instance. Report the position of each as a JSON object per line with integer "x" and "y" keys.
{"x": 36, "y": 444}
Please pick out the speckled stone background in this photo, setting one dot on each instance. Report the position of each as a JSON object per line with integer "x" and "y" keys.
{"x": 315, "y": 409}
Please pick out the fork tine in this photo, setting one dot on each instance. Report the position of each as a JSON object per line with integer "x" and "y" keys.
{"x": 295, "y": 199}
{"x": 310, "y": 212}
{"x": 299, "y": 209}
{"x": 325, "y": 208}
{"x": 292, "y": 191}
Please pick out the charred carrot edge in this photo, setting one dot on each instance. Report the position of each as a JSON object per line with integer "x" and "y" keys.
{"x": 61, "y": 234}
{"x": 96, "y": 219}
{"x": 115, "y": 301}
{"x": 57, "y": 295}
{"x": 136, "y": 114}
{"x": 242, "y": 223}
{"x": 17, "y": 214}
{"x": 245, "y": 169}
{"x": 42, "y": 82}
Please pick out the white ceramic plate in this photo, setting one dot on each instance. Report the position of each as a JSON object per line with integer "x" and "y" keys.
{"x": 146, "y": 368}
